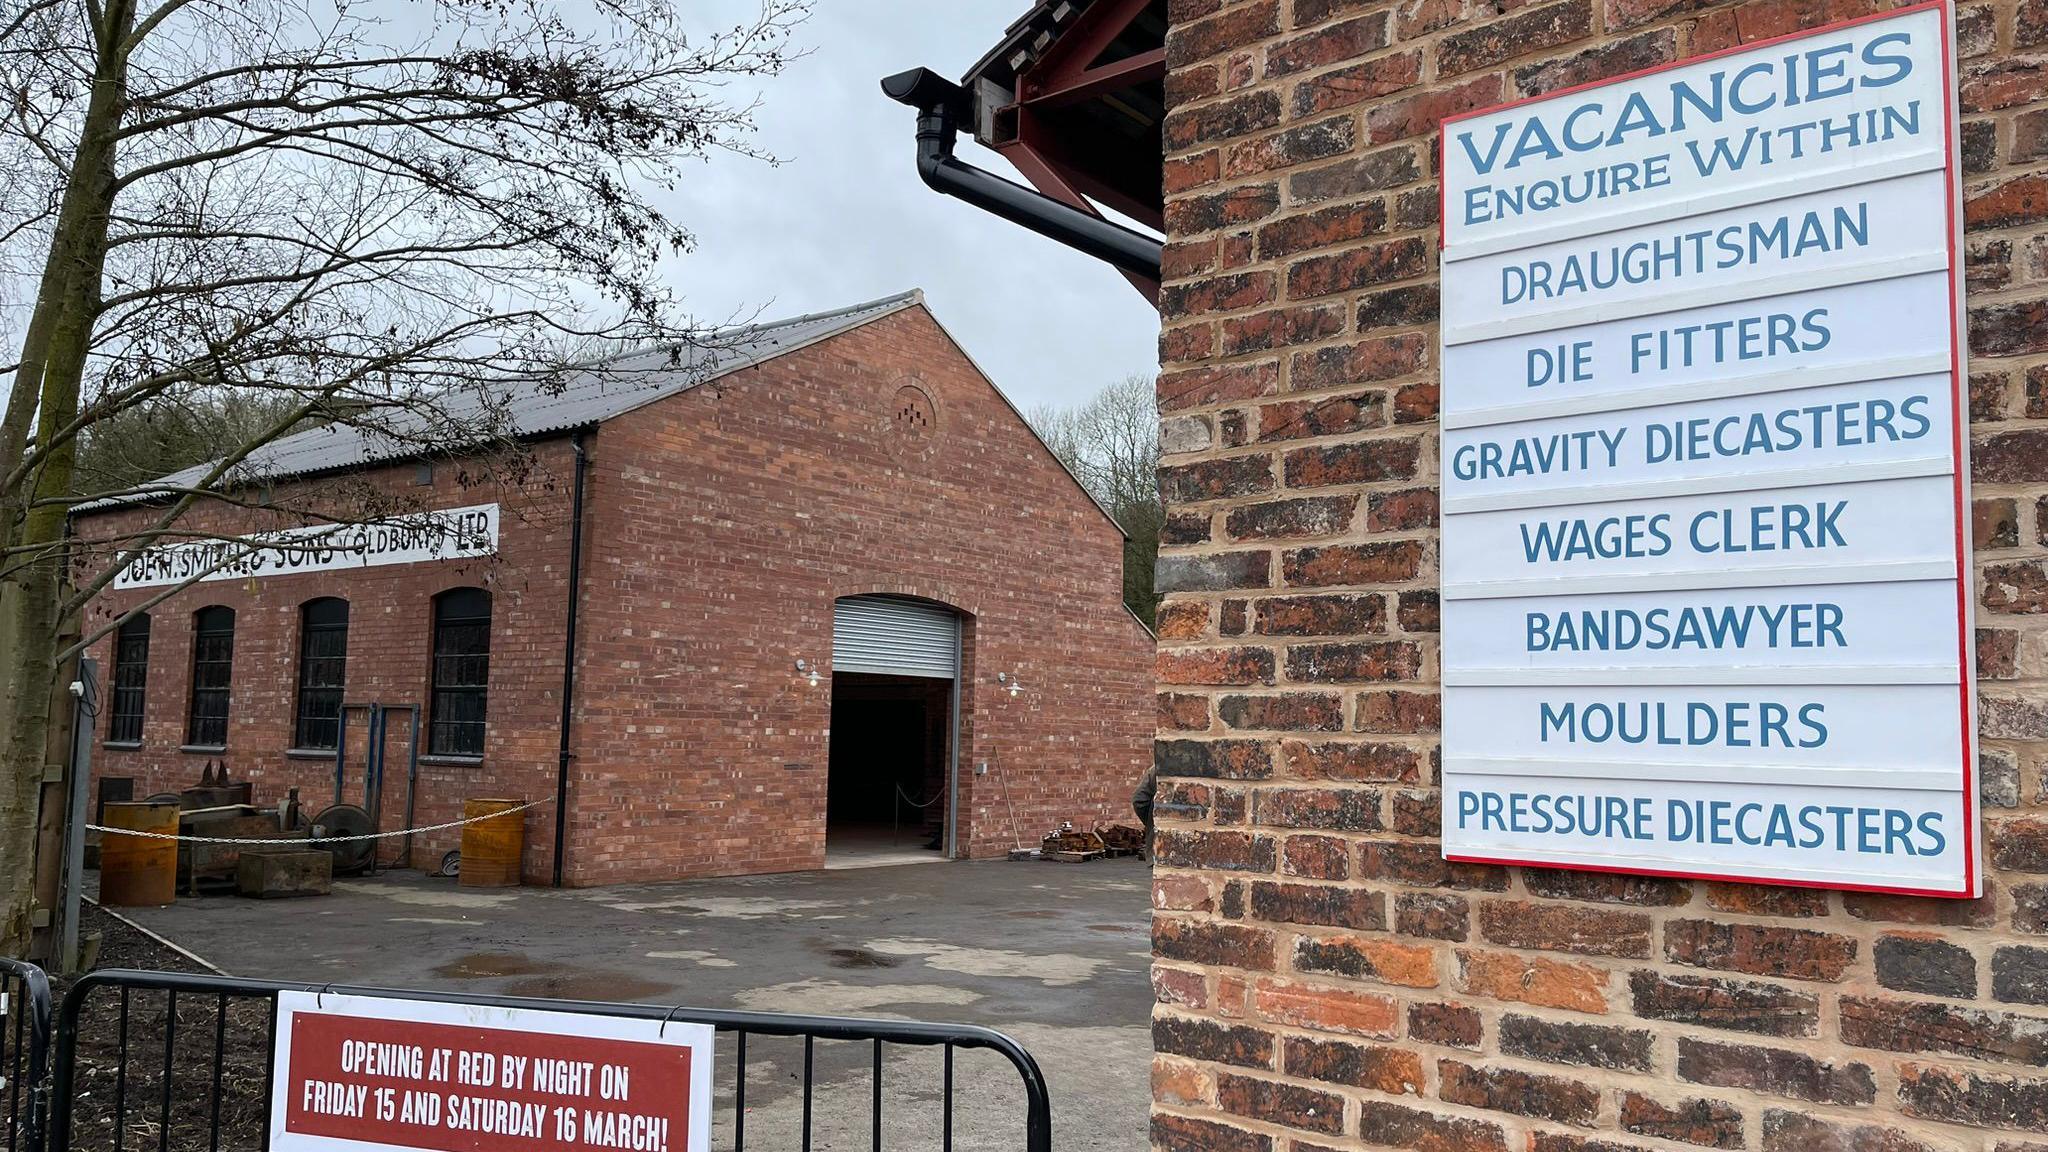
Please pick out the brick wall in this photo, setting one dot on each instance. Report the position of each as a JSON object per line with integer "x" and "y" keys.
{"x": 721, "y": 525}
{"x": 1324, "y": 978}
{"x": 729, "y": 518}
{"x": 389, "y": 658}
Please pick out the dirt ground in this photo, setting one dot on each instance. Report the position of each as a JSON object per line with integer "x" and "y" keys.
{"x": 1054, "y": 955}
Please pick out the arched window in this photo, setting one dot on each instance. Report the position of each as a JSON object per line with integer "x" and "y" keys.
{"x": 131, "y": 678}
{"x": 323, "y": 672}
{"x": 213, "y": 665}
{"x": 462, "y": 666}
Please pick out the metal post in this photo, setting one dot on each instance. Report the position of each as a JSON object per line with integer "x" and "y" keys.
{"x": 74, "y": 816}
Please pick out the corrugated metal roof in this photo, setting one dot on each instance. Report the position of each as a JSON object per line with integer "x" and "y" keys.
{"x": 624, "y": 383}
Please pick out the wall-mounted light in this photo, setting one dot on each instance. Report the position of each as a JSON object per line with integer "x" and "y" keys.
{"x": 811, "y": 671}
{"x": 1011, "y": 681}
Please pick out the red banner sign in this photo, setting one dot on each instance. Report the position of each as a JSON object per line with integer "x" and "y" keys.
{"x": 361, "y": 1073}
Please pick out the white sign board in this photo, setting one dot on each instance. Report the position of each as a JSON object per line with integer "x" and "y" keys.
{"x": 444, "y": 534}
{"x": 1706, "y": 548}
{"x": 373, "y": 1074}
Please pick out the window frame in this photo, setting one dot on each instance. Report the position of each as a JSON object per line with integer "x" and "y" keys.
{"x": 208, "y": 666}
{"x": 462, "y": 619}
{"x": 124, "y": 724}
{"x": 324, "y": 673}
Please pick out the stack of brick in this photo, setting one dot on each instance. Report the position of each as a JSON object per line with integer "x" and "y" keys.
{"x": 1324, "y": 978}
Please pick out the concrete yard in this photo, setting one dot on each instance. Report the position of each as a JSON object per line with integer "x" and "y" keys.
{"x": 1055, "y": 955}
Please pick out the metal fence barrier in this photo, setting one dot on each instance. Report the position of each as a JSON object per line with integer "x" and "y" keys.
{"x": 180, "y": 1068}
{"x": 24, "y": 1054}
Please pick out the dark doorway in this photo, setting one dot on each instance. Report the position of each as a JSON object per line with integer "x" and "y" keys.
{"x": 885, "y": 788}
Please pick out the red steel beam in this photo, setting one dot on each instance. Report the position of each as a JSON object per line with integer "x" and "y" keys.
{"x": 1071, "y": 88}
{"x": 1078, "y": 46}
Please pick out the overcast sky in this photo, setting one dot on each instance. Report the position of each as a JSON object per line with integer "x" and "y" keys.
{"x": 845, "y": 218}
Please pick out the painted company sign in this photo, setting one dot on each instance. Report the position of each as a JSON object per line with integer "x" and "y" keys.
{"x": 446, "y": 534}
{"x": 370, "y": 1074}
{"x": 1705, "y": 550}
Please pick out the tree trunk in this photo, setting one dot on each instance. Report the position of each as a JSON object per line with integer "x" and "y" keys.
{"x": 66, "y": 301}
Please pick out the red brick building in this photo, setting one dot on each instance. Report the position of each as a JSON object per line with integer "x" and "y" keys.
{"x": 824, "y": 573}
{"x": 1325, "y": 977}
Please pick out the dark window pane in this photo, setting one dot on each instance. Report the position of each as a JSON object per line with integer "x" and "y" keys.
{"x": 462, "y": 666}
{"x": 323, "y": 673}
{"x": 213, "y": 657}
{"x": 131, "y": 677}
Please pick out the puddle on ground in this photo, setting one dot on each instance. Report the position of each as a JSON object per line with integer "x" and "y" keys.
{"x": 861, "y": 958}
{"x": 598, "y": 985}
{"x": 485, "y": 965}
{"x": 1053, "y": 969}
{"x": 1034, "y": 913}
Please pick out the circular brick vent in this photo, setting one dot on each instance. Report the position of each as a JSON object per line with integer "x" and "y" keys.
{"x": 913, "y": 424}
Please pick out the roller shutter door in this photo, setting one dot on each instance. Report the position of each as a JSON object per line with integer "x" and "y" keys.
{"x": 892, "y": 637}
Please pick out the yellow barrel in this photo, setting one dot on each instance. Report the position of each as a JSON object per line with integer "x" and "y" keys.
{"x": 490, "y": 848}
{"x": 139, "y": 871}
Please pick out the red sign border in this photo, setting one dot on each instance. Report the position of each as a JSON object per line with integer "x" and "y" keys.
{"x": 1965, "y": 575}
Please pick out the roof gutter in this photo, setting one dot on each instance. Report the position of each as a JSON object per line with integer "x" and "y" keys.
{"x": 941, "y": 105}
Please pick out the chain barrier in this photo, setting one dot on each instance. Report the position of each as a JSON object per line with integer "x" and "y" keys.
{"x": 318, "y": 839}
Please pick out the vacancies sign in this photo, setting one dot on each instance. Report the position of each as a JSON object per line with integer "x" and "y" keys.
{"x": 1705, "y": 550}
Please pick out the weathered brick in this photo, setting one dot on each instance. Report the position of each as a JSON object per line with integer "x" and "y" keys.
{"x": 1563, "y": 928}
{"x": 1382, "y": 358}
{"x": 1799, "y": 1132}
{"x": 1934, "y": 1026}
{"x": 1321, "y": 809}
{"x": 1290, "y": 712}
{"x": 1214, "y": 759}
{"x": 1360, "y": 663}
{"x": 1608, "y": 60}
{"x": 1207, "y": 1040}
{"x": 2019, "y": 974}
{"x": 1390, "y": 1070}
{"x": 1183, "y": 528}
{"x": 1216, "y": 666}
{"x": 1452, "y": 1025}
{"x": 1537, "y": 980}
{"x": 1357, "y": 83}
{"x": 1420, "y": 864}
{"x": 1303, "y": 144}
{"x": 1380, "y": 562}
{"x": 1422, "y": 113}
{"x": 1227, "y": 293}
{"x": 1335, "y": 760}
{"x": 2014, "y": 328}
{"x": 1403, "y": 511}
{"x": 1321, "y": 904}
{"x": 1554, "y": 1098}
{"x": 1213, "y": 944}
{"x": 1221, "y": 120}
{"x": 1172, "y": 1133}
{"x": 1356, "y": 268}
{"x": 2030, "y": 908}
{"x": 1415, "y": 813}
{"x": 1395, "y": 1126}
{"x": 1335, "y": 614}
{"x": 1348, "y": 179}
{"x": 1775, "y": 1071}
{"x": 1606, "y": 887}
{"x": 1321, "y": 228}
{"x": 1188, "y": 215}
{"x": 1766, "y": 899}
{"x": 1324, "y": 416}
{"x": 1326, "y": 1008}
{"x": 1398, "y": 712}
{"x": 2020, "y": 200}
{"x": 2018, "y": 844}
{"x": 1397, "y": 307}
{"x": 1302, "y": 516}
{"x": 1433, "y": 915}
{"x": 1290, "y": 1105}
{"x": 1216, "y": 479}
{"x": 1316, "y": 857}
{"x": 1183, "y": 712}
{"x": 1736, "y": 1005}
{"x": 1920, "y": 910}
{"x": 1529, "y": 30}
{"x": 1354, "y": 462}
{"x": 1212, "y": 572}
{"x": 1759, "y": 949}
{"x": 1961, "y": 1096}
{"x": 1332, "y": 44}
{"x": 1567, "y": 1042}
{"x": 1189, "y": 42}
{"x": 1916, "y": 962}
{"x": 1224, "y": 851}
{"x": 1368, "y": 958}
{"x": 2019, "y": 588}
{"x": 1709, "y": 1123}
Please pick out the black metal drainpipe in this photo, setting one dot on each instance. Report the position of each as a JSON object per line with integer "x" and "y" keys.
{"x": 569, "y": 650}
{"x": 940, "y": 104}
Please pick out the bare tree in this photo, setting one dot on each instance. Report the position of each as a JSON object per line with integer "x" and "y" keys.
{"x": 1111, "y": 443}
{"x": 384, "y": 214}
